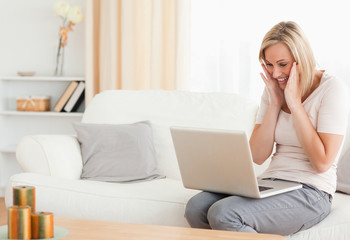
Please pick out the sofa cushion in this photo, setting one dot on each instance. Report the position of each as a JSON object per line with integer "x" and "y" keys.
{"x": 160, "y": 202}
{"x": 343, "y": 173}
{"x": 117, "y": 153}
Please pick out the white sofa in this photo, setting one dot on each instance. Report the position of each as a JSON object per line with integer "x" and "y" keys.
{"x": 53, "y": 163}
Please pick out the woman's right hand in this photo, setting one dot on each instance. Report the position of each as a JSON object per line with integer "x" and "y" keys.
{"x": 276, "y": 94}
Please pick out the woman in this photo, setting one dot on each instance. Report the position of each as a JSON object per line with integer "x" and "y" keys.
{"x": 303, "y": 112}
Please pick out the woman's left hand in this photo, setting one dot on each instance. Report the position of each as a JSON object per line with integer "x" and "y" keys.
{"x": 292, "y": 91}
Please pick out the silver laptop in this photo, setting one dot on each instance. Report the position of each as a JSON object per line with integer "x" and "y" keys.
{"x": 221, "y": 161}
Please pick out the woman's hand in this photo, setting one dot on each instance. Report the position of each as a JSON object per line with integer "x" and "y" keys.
{"x": 292, "y": 92}
{"x": 275, "y": 92}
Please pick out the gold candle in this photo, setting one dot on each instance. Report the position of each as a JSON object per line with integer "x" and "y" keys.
{"x": 23, "y": 196}
{"x": 19, "y": 222}
{"x": 42, "y": 225}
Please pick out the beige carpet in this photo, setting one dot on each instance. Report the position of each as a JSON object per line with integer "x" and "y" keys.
{"x": 3, "y": 212}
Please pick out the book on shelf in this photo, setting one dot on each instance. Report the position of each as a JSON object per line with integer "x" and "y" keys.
{"x": 65, "y": 96}
{"x": 76, "y": 99}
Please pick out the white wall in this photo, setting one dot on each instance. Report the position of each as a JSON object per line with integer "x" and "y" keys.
{"x": 28, "y": 42}
{"x": 225, "y": 46}
{"x": 29, "y": 38}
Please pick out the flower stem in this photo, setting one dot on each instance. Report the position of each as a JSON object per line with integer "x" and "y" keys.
{"x": 58, "y": 57}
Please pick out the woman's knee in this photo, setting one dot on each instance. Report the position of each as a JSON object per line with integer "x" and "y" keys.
{"x": 222, "y": 218}
{"x": 196, "y": 211}
{"x": 192, "y": 209}
{"x": 197, "y": 208}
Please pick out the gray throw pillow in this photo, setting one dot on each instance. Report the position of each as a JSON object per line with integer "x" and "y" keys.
{"x": 117, "y": 153}
{"x": 343, "y": 173}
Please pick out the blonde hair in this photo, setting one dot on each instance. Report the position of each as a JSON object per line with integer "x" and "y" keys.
{"x": 292, "y": 35}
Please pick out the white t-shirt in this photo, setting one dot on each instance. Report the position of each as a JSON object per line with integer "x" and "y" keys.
{"x": 327, "y": 108}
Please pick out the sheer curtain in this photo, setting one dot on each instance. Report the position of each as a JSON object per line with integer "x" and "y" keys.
{"x": 226, "y": 37}
{"x": 136, "y": 44}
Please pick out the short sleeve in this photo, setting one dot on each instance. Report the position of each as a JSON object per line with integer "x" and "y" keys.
{"x": 334, "y": 107}
{"x": 264, "y": 103}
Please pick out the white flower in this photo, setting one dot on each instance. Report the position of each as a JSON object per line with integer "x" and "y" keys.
{"x": 75, "y": 14}
{"x": 61, "y": 9}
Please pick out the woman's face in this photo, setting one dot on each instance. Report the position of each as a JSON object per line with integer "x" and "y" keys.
{"x": 279, "y": 61}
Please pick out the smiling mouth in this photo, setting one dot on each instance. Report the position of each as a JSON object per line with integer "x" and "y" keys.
{"x": 282, "y": 80}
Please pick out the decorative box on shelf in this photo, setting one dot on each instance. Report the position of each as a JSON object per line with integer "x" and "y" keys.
{"x": 33, "y": 103}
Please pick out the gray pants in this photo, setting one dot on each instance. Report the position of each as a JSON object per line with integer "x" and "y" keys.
{"x": 283, "y": 214}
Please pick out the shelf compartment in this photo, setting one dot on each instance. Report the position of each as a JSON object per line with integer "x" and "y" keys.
{"x": 42, "y": 78}
{"x": 8, "y": 149}
{"x": 42, "y": 114}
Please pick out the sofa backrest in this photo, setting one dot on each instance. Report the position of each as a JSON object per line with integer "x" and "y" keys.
{"x": 172, "y": 108}
{"x": 346, "y": 144}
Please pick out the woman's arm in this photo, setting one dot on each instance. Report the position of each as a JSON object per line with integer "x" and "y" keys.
{"x": 263, "y": 136}
{"x": 321, "y": 148}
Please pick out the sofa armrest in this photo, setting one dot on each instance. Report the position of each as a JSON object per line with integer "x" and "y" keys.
{"x": 53, "y": 155}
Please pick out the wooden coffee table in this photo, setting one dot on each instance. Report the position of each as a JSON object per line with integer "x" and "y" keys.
{"x": 80, "y": 229}
{"x": 89, "y": 229}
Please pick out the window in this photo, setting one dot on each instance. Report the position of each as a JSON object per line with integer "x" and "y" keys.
{"x": 226, "y": 37}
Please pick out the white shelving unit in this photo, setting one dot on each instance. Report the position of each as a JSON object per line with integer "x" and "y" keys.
{"x": 16, "y": 124}
{"x": 38, "y": 114}
{"x": 11, "y": 148}
{"x": 42, "y": 78}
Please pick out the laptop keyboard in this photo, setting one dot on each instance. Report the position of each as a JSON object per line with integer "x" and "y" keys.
{"x": 262, "y": 188}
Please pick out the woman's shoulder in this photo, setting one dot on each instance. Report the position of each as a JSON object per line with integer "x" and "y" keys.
{"x": 331, "y": 83}
{"x": 330, "y": 79}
